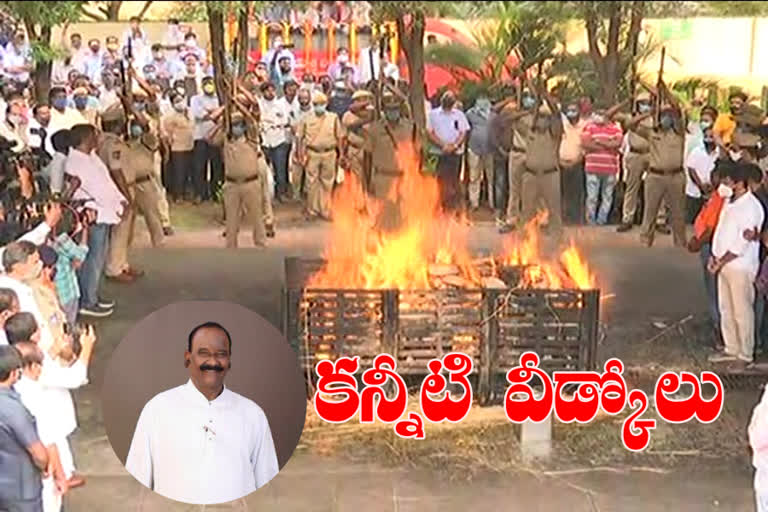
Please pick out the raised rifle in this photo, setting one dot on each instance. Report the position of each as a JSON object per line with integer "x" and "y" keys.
{"x": 659, "y": 84}
{"x": 227, "y": 94}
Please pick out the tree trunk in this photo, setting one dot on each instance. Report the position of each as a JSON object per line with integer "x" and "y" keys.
{"x": 113, "y": 10}
{"x": 216, "y": 30}
{"x": 243, "y": 48}
{"x": 412, "y": 37}
{"x": 144, "y": 9}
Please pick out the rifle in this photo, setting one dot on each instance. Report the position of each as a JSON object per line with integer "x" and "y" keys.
{"x": 227, "y": 96}
{"x": 659, "y": 82}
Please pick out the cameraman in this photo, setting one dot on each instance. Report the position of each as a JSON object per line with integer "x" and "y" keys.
{"x": 40, "y": 233}
{"x": 102, "y": 195}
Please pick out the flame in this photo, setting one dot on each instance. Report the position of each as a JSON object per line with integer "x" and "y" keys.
{"x": 360, "y": 255}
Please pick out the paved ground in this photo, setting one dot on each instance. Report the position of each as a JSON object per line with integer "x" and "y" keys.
{"x": 660, "y": 284}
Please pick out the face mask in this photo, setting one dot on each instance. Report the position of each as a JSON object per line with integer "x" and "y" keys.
{"x": 598, "y": 119}
{"x": 60, "y": 103}
{"x": 319, "y": 109}
{"x": 666, "y": 122}
{"x": 209, "y": 89}
{"x": 709, "y": 142}
{"x": 179, "y": 107}
{"x": 191, "y": 43}
{"x": 343, "y": 59}
{"x": 81, "y": 102}
{"x": 238, "y": 130}
{"x": 181, "y": 90}
{"x": 572, "y": 114}
{"x": 643, "y": 108}
{"x": 735, "y": 155}
{"x": 483, "y": 104}
{"x": 392, "y": 115}
{"x": 136, "y": 130}
{"x": 705, "y": 124}
{"x": 528, "y": 102}
{"x": 724, "y": 191}
{"x": 140, "y": 106}
{"x": 150, "y": 75}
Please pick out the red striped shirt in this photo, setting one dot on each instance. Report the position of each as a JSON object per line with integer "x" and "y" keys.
{"x": 605, "y": 161}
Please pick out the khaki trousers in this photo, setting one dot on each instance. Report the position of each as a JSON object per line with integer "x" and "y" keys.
{"x": 515, "y": 167}
{"x": 296, "y": 171}
{"x": 321, "y": 175}
{"x": 248, "y": 197}
{"x": 480, "y": 166}
{"x": 670, "y": 188}
{"x": 543, "y": 190}
{"x": 736, "y": 300}
{"x": 635, "y": 164}
{"x": 163, "y": 209}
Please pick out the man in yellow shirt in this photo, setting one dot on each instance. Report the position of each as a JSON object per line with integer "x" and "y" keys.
{"x": 725, "y": 124}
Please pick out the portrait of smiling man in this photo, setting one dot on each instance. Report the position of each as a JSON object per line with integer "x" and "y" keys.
{"x": 201, "y": 443}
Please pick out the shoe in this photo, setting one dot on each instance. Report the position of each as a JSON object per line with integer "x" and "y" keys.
{"x": 134, "y": 272}
{"x": 95, "y": 311}
{"x": 106, "y": 303}
{"x": 124, "y": 278}
{"x": 270, "y": 231}
{"x": 624, "y": 227}
{"x": 168, "y": 231}
{"x": 722, "y": 358}
{"x": 664, "y": 230}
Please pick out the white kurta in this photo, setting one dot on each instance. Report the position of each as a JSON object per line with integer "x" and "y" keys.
{"x": 195, "y": 451}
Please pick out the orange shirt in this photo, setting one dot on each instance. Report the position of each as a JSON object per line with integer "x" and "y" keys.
{"x": 708, "y": 216}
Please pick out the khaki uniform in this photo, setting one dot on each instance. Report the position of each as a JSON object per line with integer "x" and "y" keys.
{"x": 665, "y": 181}
{"x": 635, "y": 166}
{"x": 113, "y": 151}
{"x": 245, "y": 171}
{"x": 296, "y": 168}
{"x": 541, "y": 178}
{"x": 516, "y": 164}
{"x": 355, "y": 153}
{"x": 319, "y": 136}
{"x": 157, "y": 178}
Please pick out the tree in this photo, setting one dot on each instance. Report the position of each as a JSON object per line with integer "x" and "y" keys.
{"x": 110, "y": 11}
{"x": 38, "y": 19}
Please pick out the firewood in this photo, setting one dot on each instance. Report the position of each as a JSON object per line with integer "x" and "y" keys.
{"x": 438, "y": 270}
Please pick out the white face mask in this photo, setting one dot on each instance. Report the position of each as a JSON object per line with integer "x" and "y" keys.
{"x": 191, "y": 43}
{"x": 735, "y": 155}
{"x": 724, "y": 191}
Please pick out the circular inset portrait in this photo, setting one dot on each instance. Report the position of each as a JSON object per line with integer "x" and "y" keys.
{"x": 204, "y": 402}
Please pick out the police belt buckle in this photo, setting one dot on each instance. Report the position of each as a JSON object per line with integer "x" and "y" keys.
{"x": 141, "y": 180}
{"x": 665, "y": 173}
{"x": 242, "y": 181}
{"x": 318, "y": 149}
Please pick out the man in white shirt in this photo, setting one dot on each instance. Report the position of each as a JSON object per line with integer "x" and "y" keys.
{"x": 63, "y": 117}
{"x": 699, "y": 165}
{"x": 201, "y": 443}
{"x": 735, "y": 261}
{"x": 136, "y": 37}
{"x": 758, "y": 441}
{"x": 205, "y": 111}
{"x": 275, "y": 122}
{"x": 17, "y": 60}
{"x": 102, "y": 195}
{"x": 448, "y": 128}
{"x": 93, "y": 62}
{"x": 173, "y": 40}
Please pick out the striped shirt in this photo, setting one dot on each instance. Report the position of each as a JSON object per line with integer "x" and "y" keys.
{"x": 67, "y": 251}
{"x": 604, "y": 161}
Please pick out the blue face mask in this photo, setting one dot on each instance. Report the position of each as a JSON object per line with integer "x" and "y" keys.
{"x": 140, "y": 106}
{"x": 644, "y": 108}
{"x": 81, "y": 102}
{"x": 666, "y": 122}
{"x": 60, "y": 103}
{"x": 150, "y": 75}
{"x": 238, "y": 130}
{"x": 572, "y": 114}
{"x": 392, "y": 115}
{"x": 136, "y": 130}
{"x": 319, "y": 109}
{"x": 528, "y": 102}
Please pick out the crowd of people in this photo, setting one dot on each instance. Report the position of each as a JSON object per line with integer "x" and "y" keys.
{"x": 131, "y": 127}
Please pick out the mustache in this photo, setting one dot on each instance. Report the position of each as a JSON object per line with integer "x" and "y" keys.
{"x": 215, "y": 368}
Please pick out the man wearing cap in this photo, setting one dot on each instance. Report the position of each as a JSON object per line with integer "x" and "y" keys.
{"x": 354, "y": 121}
{"x": 383, "y": 139}
{"x": 281, "y": 73}
{"x": 275, "y": 121}
{"x": 205, "y": 110}
{"x": 636, "y": 160}
{"x": 319, "y": 138}
{"x": 245, "y": 172}
{"x": 666, "y": 177}
{"x": 520, "y": 124}
{"x": 448, "y": 129}
{"x": 540, "y": 181}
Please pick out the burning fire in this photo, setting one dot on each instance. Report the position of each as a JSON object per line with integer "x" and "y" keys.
{"x": 360, "y": 255}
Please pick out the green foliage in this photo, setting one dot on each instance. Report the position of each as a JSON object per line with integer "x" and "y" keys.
{"x": 737, "y": 9}
{"x": 38, "y": 18}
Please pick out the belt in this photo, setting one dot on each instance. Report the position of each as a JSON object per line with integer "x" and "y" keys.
{"x": 664, "y": 173}
{"x": 319, "y": 149}
{"x": 241, "y": 181}
{"x": 517, "y": 150}
{"x": 643, "y": 152}
{"x": 541, "y": 172}
{"x": 139, "y": 181}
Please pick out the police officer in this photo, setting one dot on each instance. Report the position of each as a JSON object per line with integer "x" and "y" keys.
{"x": 354, "y": 121}
{"x": 245, "y": 170}
{"x": 113, "y": 151}
{"x": 520, "y": 128}
{"x": 635, "y": 162}
{"x": 319, "y": 139}
{"x": 383, "y": 138}
{"x": 666, "y": 177}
